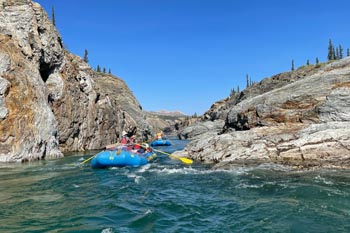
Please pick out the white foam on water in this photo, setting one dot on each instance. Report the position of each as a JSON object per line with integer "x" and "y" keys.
{"x": 137, "y": 179}
{"x": 166, "y": 169}
{"x": 195, "y": 171}
{"x": 250, "y": 186}
{"x": 184, "y": 170}
{"x": 70, "y": 167}
{"x": 148, "y": 212}
{"x": 274, "y": 167}
{"x": 321, "y": 179}
{"x": 330, "y": 188}
{"x": 237, "y": 170}
{"x": 107, "y": 230}
{"x": 142, "y": 215}
{"x": 144, "y": 168}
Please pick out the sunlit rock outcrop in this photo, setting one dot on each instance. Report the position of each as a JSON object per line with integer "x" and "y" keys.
{"x": 51, "y": 101}
{"x": 303, "y": 120}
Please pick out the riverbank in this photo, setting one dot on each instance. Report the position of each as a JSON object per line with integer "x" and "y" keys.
{"x": 301, "y": 118}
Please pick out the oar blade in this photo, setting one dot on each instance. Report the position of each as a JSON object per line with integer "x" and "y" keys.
{"x": 87, "y": 159}
{"x": 182, "y": 159}
{"x": 186, "y": 160}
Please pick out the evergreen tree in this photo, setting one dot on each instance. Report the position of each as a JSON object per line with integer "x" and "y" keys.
{"x": 330, "y": 50}
{"x": 53, "y": 16}
{"x": 348, "y": 52}
{"x": 109, "y": 71}
{"x": 307, "y": 62}
{"x": 104, "y": 70}
{"x": 238, "y": 91}
{"x": 98, "y": 69}
{"x": 340, "y": 52}
{"x": 247, "y": 80}
{"x": 232, "y": 92}
{"x": 292, "y": 64}
{"x": 317, "y": 62}
{"x": 336, "y": 54}
{"x": 86, "y": 59}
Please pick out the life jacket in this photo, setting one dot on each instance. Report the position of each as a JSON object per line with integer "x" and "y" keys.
{"x": 124, "y": 141}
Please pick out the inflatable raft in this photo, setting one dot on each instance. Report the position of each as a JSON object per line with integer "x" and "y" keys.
{"x": 121, "y": 158}
{"x": 161, "y": 142}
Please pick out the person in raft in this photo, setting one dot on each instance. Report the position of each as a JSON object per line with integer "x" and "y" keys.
{"x": 125, "y": 139}
{"x": 138, "y": 148}
{"x": 159, "y": 136}
{"x": 144, "y": 148}
{"x": 132, "y": 139}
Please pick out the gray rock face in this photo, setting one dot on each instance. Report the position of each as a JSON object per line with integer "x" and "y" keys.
{"x": 336, "y": 106}
{"x": 220, "y": 109}
{"x": 200, "y": 128}
{"x": 50, "y": 100}
{"x": 304, "y": 122}
{"x": 4, "y": 86}
{"x": 28, "y": 128}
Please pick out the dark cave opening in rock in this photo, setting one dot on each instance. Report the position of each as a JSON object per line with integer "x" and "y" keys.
{"x": 45, "y": 70}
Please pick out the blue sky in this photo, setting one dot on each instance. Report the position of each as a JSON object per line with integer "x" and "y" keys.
{"x": 186, "y": 54}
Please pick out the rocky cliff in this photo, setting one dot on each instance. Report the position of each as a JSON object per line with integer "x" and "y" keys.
{"x": 300, "y": 118}
{"x": 169, "y": 122}
{"x": 51, "y": 101}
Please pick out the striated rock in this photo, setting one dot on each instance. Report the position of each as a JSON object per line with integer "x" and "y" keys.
{"x": 51, "y": 101}
{"x": 337, "y": 105}
{"x": 27, "y": 125}
{"x": 169, "y": 122}
{"x": 4, "y": 87}
{"x": 199, "y": 128}
{"x": 319, "y": 142}
{"x": 303, "y": 122}
{"x": 220, "y": 109}
{"x": 92, "y": 109}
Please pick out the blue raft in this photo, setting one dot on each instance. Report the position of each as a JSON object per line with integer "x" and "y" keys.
{"x": 120, "y": 158}
{"x": 161, "y": 142}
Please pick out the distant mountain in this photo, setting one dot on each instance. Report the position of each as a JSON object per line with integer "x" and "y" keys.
{"x": 174, "y": 113}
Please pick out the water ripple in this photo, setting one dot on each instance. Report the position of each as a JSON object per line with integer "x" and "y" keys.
{"x": 167, "y": 196}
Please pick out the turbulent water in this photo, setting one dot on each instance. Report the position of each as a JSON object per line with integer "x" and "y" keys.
{"x": 167, "y": 196}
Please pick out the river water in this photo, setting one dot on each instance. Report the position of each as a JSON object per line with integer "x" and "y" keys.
{"x": 168, "y": 196}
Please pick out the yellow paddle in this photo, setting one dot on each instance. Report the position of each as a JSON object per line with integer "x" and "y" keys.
{"x": 182, "y": 159}
{"x": 87, "y": 159}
